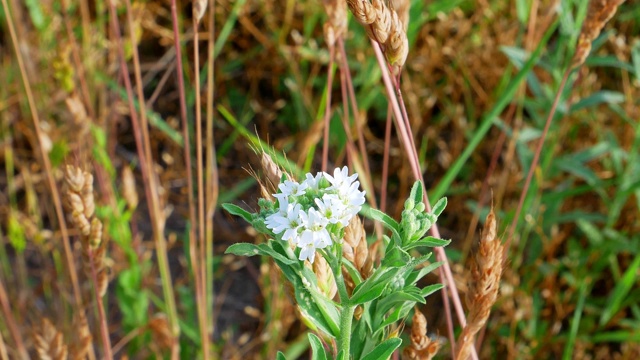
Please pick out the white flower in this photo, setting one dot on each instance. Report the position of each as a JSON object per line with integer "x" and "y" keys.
{"x": 308, "y": 252}
{"x": 313, "y": 181}
{"x": 315, "y": 229}
{"x": 331, "y": 208}
{"x": 289, "y": 222}
{"x": 292, "y": 188}
{"x": 341, "y": 180}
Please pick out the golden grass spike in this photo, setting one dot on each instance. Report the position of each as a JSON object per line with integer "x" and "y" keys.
{"x": 421, "y": 347}
{"x": 598, "y": 14}
{"x": 49, "y": 342}
{"x": 336, "y": 26}
{"x": 483, "y": 287}
{"x": 356, "y": 250}
{"x": 385, "y": 26}
{"x": 326, "y": 281}
{"x": 272, "y": 171}
{"x": 82, "y": 341}
{"x": 129, "y": 192}
{"x": 199, "y": 7}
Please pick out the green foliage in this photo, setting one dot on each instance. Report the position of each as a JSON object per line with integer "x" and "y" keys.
{"x": 15, "y": 232}
{"x": 386, "y": 296}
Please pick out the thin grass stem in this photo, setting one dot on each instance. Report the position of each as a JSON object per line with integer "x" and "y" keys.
{"x": 405, "y": 134}
{"x": 11, "y": 323}
{"x": 201, "y": 265}
{"x": 104, "y": 328}
{"x": 327, "y": 110}
{"x": 73, "y": 275}
{"x": 149, "y": 181}
{"x": 212, "y": 183}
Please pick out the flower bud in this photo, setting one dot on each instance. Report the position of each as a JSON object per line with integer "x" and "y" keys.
{"x": 420, "y": 207}
{"x": 409, "y": 204}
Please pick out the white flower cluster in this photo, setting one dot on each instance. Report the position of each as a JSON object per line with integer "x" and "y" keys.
{"x": 308, "y": 209}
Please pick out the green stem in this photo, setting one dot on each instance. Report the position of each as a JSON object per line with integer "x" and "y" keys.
{"x": 346, "y": 320}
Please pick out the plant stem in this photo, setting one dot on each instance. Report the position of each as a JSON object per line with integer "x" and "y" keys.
{"x": 346, "y": 320}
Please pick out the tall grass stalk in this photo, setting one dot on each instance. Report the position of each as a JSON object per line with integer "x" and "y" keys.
{"x": 149, "y": 180}
{"x": 55, "y": 194}
{"x": 10, "y": 323}
{"x": 211, "y": 169}
{"x": 405, "y": 134}
{"x": 200, "y": 266}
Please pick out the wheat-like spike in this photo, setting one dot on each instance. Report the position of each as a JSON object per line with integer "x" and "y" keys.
{"x": 82, "y": 344}
{"x": 421, "y": 347}
{"x": 199, "y": 7}
{"x": 272, "y": 171}
{"x": 402, "y": 7}
{"x": 162, "y": 333}
{"x": 336, "y": 26}
{"x": 80, "y": 199}
{"x": 324, "y": 275}
{"x": 356, "y": 250}
{"x": 598, "y": 14}
{"x": 49, "y": 342}
{"x": 129, "y": 192}
{"x": 384, "y": 26}
{"x": 483, "y": 287}
{"x": 397, "y": 45}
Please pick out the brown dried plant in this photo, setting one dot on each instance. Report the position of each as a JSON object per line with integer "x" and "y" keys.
{"x": 356, "y": 250}
{"x": 326, "y": 281}
{"x": 384, "y": 26}
{"x": 598, "y": 14}
{"x": 81, "y": 345}
{"x": 336, "y": 26}
{"x": 422, "y": 347}
{"x": 80, "y": 204}
{"x": 49, "y": 342}
{"x": 486, "y": 272}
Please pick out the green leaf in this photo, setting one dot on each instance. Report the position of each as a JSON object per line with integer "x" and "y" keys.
{"x": 399, "y": 313}
{"x": 416, "y": 192}
{"x": 280, "y": 356}
{"x": 385, "y": 219}
{"x": 439, "y": 207}
{"x": 238, "y": 211}
{"x": 247, "y": 249}
{"x": 317, "y": 349}
{"x": 384, "y": 350}
{"x": 429, "y": 241}
{"x": 622, "y": 288}
{"x": 428, "y": 290}
{"x": 374, "y": 286}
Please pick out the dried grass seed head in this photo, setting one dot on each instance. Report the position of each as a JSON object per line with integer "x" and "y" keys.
{"x": 598, "y": 14}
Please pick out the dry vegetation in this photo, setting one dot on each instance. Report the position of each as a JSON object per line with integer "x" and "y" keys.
{"x": 132, "y": 266}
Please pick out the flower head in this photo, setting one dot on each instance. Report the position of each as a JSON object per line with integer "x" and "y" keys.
{"x": 307, "y": 209}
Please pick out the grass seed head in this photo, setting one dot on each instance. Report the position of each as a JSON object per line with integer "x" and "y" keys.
{"x": 598, "y": 14}
{"x": 422, "y": 347}
{"x": 49, "y": 342}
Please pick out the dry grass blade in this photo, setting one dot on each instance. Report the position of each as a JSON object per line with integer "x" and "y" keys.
{"x": 483, "y": 288}
{"x": 422, "y": 347}
{"x": 599, "y": 13}
{"x": 49, "y": 342}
